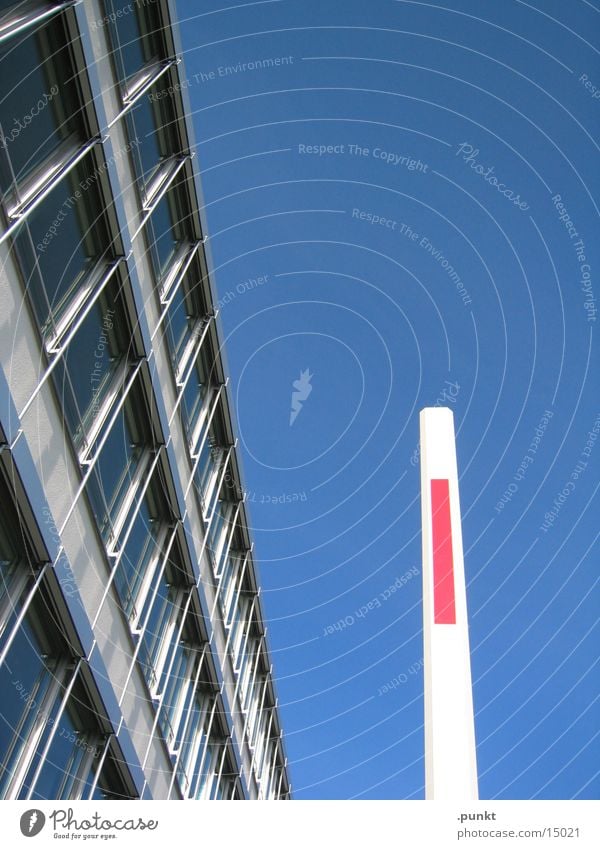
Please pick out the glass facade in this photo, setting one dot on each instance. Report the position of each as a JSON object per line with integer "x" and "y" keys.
{"x": 60, "y": 243}
{"x": 116, "y": 525}
{"x": 135, "y": 36}
{"x": 40, "y": 107}
{"x": 91, "y": 361}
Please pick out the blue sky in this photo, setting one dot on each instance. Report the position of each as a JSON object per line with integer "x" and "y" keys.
{"x": 328, "y": 135}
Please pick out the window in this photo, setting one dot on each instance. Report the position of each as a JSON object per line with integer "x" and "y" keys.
{"x": 33, "y": 676}
{"x": 141, "y": 550}
{"x": 179, "y": 679}
{"x": 119, "y": 460}
{"x": 61, "y": 242}
{"x": 41, "y": 107}
{"x": 206, "y": 774}
{"x": 161, "y": 618}
{"x": 195, "y": 738}
{"x": 44, "y": 753}
{"x": 26, "y": 682}
{"x": 217, "y": 532}
{"x": 76, "y": 743}
{"x": 135, "y": 32}
{"x": 144, "y": 547}
{"x": 152, "y": 123}
{"x": 183, "y": 327}
{"x": 231, "y": 571}
{"x": 177, "y": 682}
{"x": 105, "y": 774}
{"x": 248, "y": 672}
{"x": 211, "y": 465}
{"x": 168, "y": 227}
{"x": 88, "y": 366}
{"x": 215, "y": 777}
{"x": 16, "y": 561}
{"x": 193, "y": 403}
{"x": 185, "y": 321}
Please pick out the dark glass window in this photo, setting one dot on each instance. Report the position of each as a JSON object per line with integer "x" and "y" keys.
{"x": 217, "y": 525}
{"x": 168, "y": 227}
{"x": 164, "y": 618}
{"x": 110, "y": 783}
{"x": 210, "y": 460}
{"x": 138, "y": 554}
{"x": 191, "y": 747}
{"x": 176, "y": 682}
{"x": 118, "y": 460}
{"x": 7, "y": 4}
{"x": 135, "y": 34}
{"x": 180, "y": 322}
{"x": 14, "y": 556}
{"x": 141, "y": 549}
{"x": 61, "y": 242}
{"x": 26, "y": 677}
{"x": 205, "y": 786}
{"x": 162, "y": 232}
{"x": 152, "y": 124}
{"x": 75, "y": 741}
{"x": 149, "y": 151}
{"x": 194, "y": 394}
{"x": 87, "y": 367}
{"x": 9, "y": 561}
{"x": 41, "y": 105}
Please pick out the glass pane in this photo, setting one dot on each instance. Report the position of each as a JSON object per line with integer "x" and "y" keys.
{"x": 110, "y": 783}
{"x": 139, "y": 552}
{"x": 174, "y": 690}
{"x": 40, "y": 107}
{"x": 217, "y": 528}
{"x": 87, "y": 367}
{"x": 61, "y": 242}
{"x": 152, "y": 124}
{"x": 149, "y": 151}
{"x": 162, "y": 614}
{"x": 162, "y": 234}
{"x": 210, "y": 459}
{"x": 209, "y": 769}
{"x": 134, "y": 34}
{"x": 25, "y": 677}
{"x": 227, "y": 586}
{"x": 113, "y": 472}
{"x": 179, "y": 323}
{"x": 107, "y": 786}
{"x": 8, "y": 4}
{"x": 74, "y": 744}
{"x": 10, "y": 547}
{"x": 194, "y": 394}
{"x": 194, "y": 740}
{"x": 62, "y": 763}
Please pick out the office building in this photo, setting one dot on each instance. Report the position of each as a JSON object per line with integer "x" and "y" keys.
{"x": 133, "y": 654}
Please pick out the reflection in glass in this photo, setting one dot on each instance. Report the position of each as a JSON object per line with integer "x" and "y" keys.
{"x": 152, "y": 124}
{"x": 40, "y": 105}
{"x": 114, "y": 469}
{"x": 60, "y": 243}
{"x": 25, "y": 679}
{"x": 87, "y": 367}
{"x": 134, "y": 33}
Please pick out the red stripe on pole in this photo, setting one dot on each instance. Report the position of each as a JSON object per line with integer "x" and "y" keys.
{"x": 444, "y": 612}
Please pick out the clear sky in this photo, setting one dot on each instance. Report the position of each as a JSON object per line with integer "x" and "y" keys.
{"x": 402, "y": 199}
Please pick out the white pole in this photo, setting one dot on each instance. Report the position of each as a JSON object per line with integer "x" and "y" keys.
{"x": 450, "y": 759}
